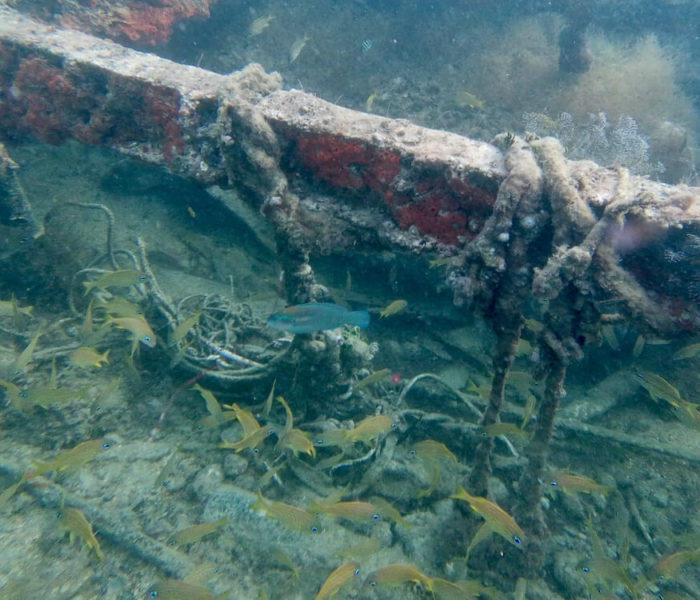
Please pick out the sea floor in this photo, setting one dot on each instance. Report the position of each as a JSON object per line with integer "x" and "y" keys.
{"x": 144, "y": 486}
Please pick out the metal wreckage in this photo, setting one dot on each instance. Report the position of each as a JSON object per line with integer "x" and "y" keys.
{"x": 514, "y": 220}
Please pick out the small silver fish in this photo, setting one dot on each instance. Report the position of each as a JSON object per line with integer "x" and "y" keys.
{"x": 297, "y": 47}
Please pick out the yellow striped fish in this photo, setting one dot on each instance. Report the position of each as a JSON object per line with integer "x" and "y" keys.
{"x": 338, "y": 579}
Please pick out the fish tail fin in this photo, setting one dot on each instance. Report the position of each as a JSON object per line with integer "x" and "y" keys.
{"x": 259, "y": 504}
{"x": 360, "y": 318}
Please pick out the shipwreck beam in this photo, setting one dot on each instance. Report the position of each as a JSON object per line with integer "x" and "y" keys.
{"x": 437, "y": 190}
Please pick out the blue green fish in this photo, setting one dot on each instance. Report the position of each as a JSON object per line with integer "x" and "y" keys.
{"x": 306, "y": 318}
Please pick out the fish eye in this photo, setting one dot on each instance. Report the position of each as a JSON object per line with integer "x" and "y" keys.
{"x": 412, "y": 452}
{"x": 153, "y": 595}
{"x": 314, "y": 529}
{"x": 375, "y": 517}
{"x": 586, "y": 570}
{"x": 318, "y": 443}
{"x": 554, "y": 484}
{"x": 357, "y": 571}
{"x": 517, "y": 540}
{"x": 106, "y": 445}
{"x": 372, "y": 584}
{"x": 394, "y": 425}
{"x": 256, "y": 450}
{"x": 147, "y": 339}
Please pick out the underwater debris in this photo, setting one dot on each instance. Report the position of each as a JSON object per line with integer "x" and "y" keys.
{"x": 488, "y": 281}
{"x": 17, "y": 223}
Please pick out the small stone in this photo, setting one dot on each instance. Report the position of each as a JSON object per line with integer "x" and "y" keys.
{"x": 207, "y": 480}
{"x": 234, "y": 465}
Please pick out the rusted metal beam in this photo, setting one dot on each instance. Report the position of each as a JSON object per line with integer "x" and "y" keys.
{"x": 612, "y": 235}
{"x": 59, "y": 84}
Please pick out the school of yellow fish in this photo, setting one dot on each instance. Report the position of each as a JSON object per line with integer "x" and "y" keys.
{"x": 107, "y": 313}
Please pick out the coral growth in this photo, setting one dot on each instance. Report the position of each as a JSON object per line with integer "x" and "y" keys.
{"x": 437, "y": 204}
{"x": 595, "y": 138}
{"x": 154, "y": 24}
{"x": 348, "y": 164}
{"x": 149, "y": 23}
{"x": 53, "y": 103}
{"x": 637, "y": 81}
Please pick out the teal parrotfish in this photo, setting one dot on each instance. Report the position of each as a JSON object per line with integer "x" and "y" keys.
{"x": 307, "y": 318}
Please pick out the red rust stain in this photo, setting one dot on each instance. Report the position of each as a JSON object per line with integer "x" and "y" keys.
{"x": 162, "y": 108}
{"x": 154, "y": 24}
{"x": 437, "y": 204}
{"x": 433, "y": 216}
{"x": 53, "y": 102}
{"x": 148, "y": 22}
